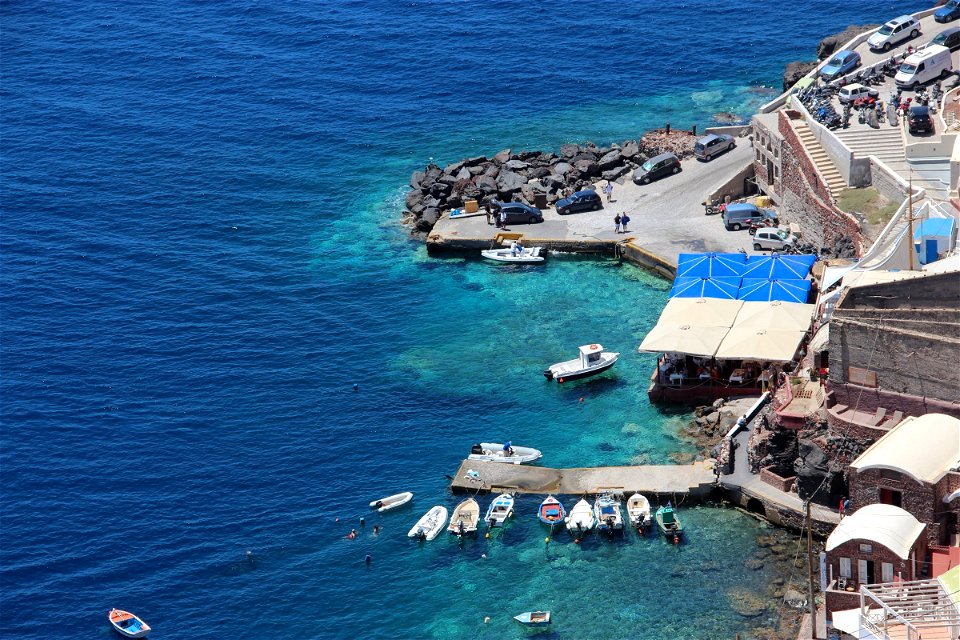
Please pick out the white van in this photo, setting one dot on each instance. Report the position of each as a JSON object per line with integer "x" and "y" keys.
{"x": 932, "y": 62}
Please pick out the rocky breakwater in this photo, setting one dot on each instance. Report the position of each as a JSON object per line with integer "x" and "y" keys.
{"x": 529, "y": 176}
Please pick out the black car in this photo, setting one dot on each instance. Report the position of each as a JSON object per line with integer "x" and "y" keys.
{"x": 919, "y": 120}
{"x": 587, "y": 200}
{"x": 949, "y": 38}
{"x": 657, "y": 167}
{"x": 518, "y": 212}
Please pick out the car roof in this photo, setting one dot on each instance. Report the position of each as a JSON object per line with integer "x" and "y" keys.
{"x": 855, "y": 85}
{"x": 919, "y": 110}
{"x": 662, "y": 156}
{"x": 708, "y": 138}
{"x": 516, "y": 205}
{"x": 948, "y": 31}
{"x": 742, "y": 206}
{"x": 846, "y": 53}
{"x": 586, "y": 192}
{"x": 900, "y": 20}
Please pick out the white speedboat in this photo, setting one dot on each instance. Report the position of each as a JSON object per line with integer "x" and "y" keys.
{"x": 430, "y": 524}
{"x": 500, "y": 509}
{"x": 638, "y": 510}
{"x": 391, "y": 502}
{"x": 606, "y": 509}
{"x": 465, "y": 518}
{"x": 526, "y": 255}
{"x": 127, "y": 624}
{"x": 581, "y": 518}
{"x": 593, "y": 360}
{"x": 503, "y": 452}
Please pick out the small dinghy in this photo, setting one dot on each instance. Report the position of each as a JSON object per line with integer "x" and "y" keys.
{"x": 607, "y": 511}
{"x": 503, "y": 452}
{"x": 668, "y": 523}
{"x": 638, "y": 510}
{"x": 430, "y": 524}
{"x": 593, "y": 360}
{"x": 391, "y": 502}
{"x": 581, "y": 518}
{"x": 128, "y": 625}
{"x": 534, "y": 618}
{"x": 551, "y": 511}
{"x": 465, "y": 518}
{"x": 500, "y": 509}
{"x": 524, "y": 255}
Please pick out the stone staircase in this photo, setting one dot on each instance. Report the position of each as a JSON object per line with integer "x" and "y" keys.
{"x": 828, "y": 170}
{"x": 885, "y": 143}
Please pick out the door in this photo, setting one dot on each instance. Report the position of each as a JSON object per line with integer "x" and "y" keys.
{"x": 889, "y": 496}
{"x": 865, "y": 571}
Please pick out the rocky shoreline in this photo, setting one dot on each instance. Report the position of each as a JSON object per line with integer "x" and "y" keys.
{"x": 827, "y": 47}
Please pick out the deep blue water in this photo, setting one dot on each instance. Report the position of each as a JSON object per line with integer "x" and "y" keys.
{"x": 200, "y": 257}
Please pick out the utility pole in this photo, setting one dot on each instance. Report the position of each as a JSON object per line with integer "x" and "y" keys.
{"x": 810, "y": 600}
{"x": 910, "y": 217}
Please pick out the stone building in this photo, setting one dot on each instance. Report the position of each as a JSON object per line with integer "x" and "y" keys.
{"x": 878, "y": 543}
{"x": 916, "y": 467}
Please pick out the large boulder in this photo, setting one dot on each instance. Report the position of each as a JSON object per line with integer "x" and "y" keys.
{"x": 562, "y": 168}
{"x": 553, "y": 182}
{"x": 569, "y": 150}
{"x": 816, "y": 476}
{"x": 440, "y": 190}
{"x": 509, "y": 183}
{"x": 463, "y": 174}
{"x": 502, "y": 156}
{"x": 630, "y": 150}
{"x": 491, "y": 170}
{"x": 428, "y": 219}
{"x": 516, "y": 165}
{"x": 473, "y": 162}
{"x": 831, "y": 44}
{"x": 587, "y": 167}
{"x": 453, "y": 169}
{"x": 417, "y": 178}
{"x": 527, "y": 155}
{"x": 795, "y": 71}
{"x": 610, "y": 160}
{"x": 487, "y": 184}
{"x": 583, "y": 155}
{"x": 413, "y": 199}
{"x": 616, "y": 172}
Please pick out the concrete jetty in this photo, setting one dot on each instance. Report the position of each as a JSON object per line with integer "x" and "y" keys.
{"x": 480, "y": 476}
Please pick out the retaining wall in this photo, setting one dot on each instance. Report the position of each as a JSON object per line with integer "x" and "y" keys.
{"x": 734, "y": 186}
{"x": 642, "y": 257}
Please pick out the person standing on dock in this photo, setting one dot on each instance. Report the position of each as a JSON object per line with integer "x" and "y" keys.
{"x": 503, "y": 219}
{"x": 625, "y": 219}
{"x": 609, "y": 190}
{"x": 489, "y": 211}
{"x": 617, "y": 224}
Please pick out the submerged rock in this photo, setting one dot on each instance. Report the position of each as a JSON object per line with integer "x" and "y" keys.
{"x": 746, "y": 603}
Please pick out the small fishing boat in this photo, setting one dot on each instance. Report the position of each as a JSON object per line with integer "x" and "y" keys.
{"x": 551, "y": 511}
{"x": 581, "y": 518}
{"x": 465, "y": 518}
{"x": 593, "y": 360}
{"x": 503, "y": 452}
{"x": 638, "y": 510}
{"x": 392, "y": 502}
{"x": 430, "y": 524}
{"x": 526, "y": 255}
{"x": 668, "y": 522}
{"x": 500, "y": 509}
{"x": 534, "y": 618}
{"x": 607, "y": 511}
{"x": 128, "y": 625}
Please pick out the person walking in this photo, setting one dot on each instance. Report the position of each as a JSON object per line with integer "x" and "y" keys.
{"x": 609, "y": 190}
{"x": 616, "y": 222}
{"x": 489, "y": 211}
{"x": 840, "y": 508}
{"x": 503, "y": 219}
{"x": 625, "y": 219}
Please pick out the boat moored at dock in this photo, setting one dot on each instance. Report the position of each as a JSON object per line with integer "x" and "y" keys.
{"x": 127, "y": 624}
{"x": 638, "y": 511}
{"x": 503, "y": 452}
{"x": 606, "y": 510}
{"x": 592, "y": 360}
{"x": 581, "y": 519}
{"x": 500, "y": 509}
{"x": 465, "y": 518}
{"x": 669, "y": 523}
{"x": 525, "y": 255}
{"x": 551, "y": 511}
{"x": 430, "y": 524}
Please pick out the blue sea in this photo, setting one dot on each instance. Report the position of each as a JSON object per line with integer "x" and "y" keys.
{"x": 201, "y": 255}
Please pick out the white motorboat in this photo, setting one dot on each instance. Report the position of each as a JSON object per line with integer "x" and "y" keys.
{"x": 525, "y": 255}
{"x": 581, "y": 518}
{"x": 500, "y": 509}
{"x": 593, "y": 360}
{"x": 503, "y": 452}
{"x": 638, "y": 510}
{"x": 430, "y": 524}
{"x": 392, "y": 502}
{"x": 606, "y": 509}
{"x": 465, "y": 518}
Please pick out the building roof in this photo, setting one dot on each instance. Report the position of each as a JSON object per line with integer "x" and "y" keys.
{"x": 883, "y": 524}
{"x": 923, "y": 448}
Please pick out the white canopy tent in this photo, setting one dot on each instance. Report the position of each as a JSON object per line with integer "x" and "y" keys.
{"x": 747, "y": 343}
{"x": 687, "y": 339}
{"x": 776, "y": 315}
{"x": 701, "y": 312}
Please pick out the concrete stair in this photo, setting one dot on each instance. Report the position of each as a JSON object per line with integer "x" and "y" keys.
{"x": 828, "y": 170}
{"x": 885, "y": 143}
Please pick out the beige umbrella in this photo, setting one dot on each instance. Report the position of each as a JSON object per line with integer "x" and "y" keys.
{"x": 683, "y": 338}
{"x": 776, "y": 315}
{"x": 759, "y": 344}
{"x": 703, "y": 312}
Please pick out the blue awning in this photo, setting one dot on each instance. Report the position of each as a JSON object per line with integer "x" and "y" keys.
{"x": 779, "y": 266}
{"x": 763, "y": 290}
{"x": 935, "y": 227}
{"x": 708, "y": 265}
{"x": 690, "y": 287}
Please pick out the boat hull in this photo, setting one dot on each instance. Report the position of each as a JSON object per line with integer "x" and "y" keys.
{"x": 530, "y": 255}
{"x": 551, "y": 512}
{"x": 568, "y": 376}
{"x": 534, "y": 618}
{"x": 391, "y": 502}
{"x": 493, "y": 452}
{"x": 465, "y": 518}
{"x": 430, "y": 524}
{"x": 127, "y": 624}
{"x": 672, "y": 528}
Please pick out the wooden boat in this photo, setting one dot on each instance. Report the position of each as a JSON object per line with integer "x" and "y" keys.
{"x": 534, "y": 618}
{"x": 527, "y": 255}
{"x": 593, "y": 360}
{"x": 503, "y": 452}
{"x": 392, "y": 502}
{"x": 465, "y": 518}
{"x": 551, "y": 511}
{"x": 668, "y": 522}
{"x": 638, "y": 510}
{"x": 127, "y": 624}
{"x": 581, "y": 518}
{"x": 500, "y": 509}
{"x": 430, "y": 524}
{"x": 606, "y": 509}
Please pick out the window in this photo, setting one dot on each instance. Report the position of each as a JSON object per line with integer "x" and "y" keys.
{"x": 889, "y": 496}
{"x": 846, "y": 569}
{"x": 886, "y": 571}
{"x": 866, "y": 548}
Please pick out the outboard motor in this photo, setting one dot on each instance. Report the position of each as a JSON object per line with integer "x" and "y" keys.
{"x": 476, "y": 449}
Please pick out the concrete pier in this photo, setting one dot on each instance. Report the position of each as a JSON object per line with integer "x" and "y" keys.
{"x": 695, "y": 479}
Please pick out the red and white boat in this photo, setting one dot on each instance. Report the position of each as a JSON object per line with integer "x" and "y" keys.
{"x": 128, "y": 625}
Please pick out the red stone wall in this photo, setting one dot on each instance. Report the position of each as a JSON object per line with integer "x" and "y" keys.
{"x": 771, "y": 478}
{"x": 868, "y": 400}
{"x": 841, "y": 600}
{"x": 917, "y": 499}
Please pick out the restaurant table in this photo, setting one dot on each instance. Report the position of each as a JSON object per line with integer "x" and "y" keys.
{"x": 737, "y": 375}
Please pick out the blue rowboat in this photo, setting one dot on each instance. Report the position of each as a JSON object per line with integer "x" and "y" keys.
{"x": 534, "y": 618}
{"x": 551, "y": 511}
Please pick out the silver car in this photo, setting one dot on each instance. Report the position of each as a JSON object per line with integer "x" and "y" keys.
{"x": 773, "y": 238}
{"x": 713, "y": 145}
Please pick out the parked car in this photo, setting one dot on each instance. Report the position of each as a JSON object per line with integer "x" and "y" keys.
{"x": 948, "y": 12}
{"x": 773, "y": 239}
{"x": 713, "y": 145}
{"x": 841, "y": 63}
{"x": 923, "y": 66}
{"x": 919, "y": 120}
{"x": 586, "y": 200}
{"x": 657, "y": 167}
{"x": 851, "y": 92}
{"x": 518, "y": 212}
{"x": 740, "y": 215}
{"x": 949, "y": 38}
{"x": 894, "y": 32}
